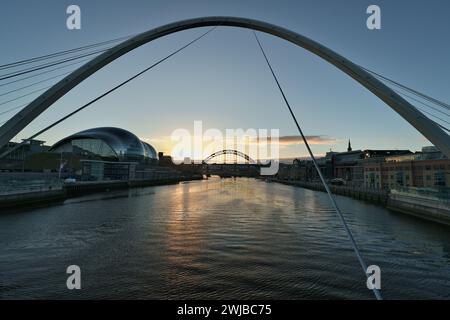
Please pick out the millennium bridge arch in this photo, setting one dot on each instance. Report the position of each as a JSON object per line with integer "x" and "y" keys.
{"x": 419, "y": 121}
{"x": 228, "y": 151}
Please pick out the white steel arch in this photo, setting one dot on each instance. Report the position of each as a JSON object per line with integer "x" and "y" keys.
{"x": 419, "y": 121}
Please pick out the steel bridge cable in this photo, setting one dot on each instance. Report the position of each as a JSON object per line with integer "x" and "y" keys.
{"x": 413, "y": 91}
{"x": 105, "y": 93}
{"x": 436, "y": 117}
{"x": 416, "y": 93}
{"x": 330, "y": 195}
{"x": 445, "y": 128}
{"x": 24, "y": 95}
{"x": 14, "y": 108}
{"x": 427, "y": 112}
{"x": 34, "y": 83}
{"x": 422, "y": 103}
{"x": 60, "y": 53}
{"x": 424, "y": 96}
{"x": 44, "y": 72}
{"x": 47, "y": 65}
{"x": 51, "y": 63}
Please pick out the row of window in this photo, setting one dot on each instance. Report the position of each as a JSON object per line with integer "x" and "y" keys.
{"x": 400, "y": 179}
{"x": 415, "y": 167}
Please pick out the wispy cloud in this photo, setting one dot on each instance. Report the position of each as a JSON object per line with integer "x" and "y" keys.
{"x": 317, "y": 139}
{"x": 165, "y": 143}
{"x": 297, "y": 139}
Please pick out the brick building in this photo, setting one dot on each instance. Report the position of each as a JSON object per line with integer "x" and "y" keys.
{"x": 426, "y": 169}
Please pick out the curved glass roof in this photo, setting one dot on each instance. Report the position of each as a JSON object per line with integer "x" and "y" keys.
{"x": 122, "y": 144}
{"x": 150, "y": 151}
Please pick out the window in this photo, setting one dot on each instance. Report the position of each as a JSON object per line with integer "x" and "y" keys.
{"x": 93, "y": 147}
{"x": 439, "y": 179}
{"x": 399, "y": 178}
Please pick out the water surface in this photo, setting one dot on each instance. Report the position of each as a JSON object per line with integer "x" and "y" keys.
{"x": 218, "y": 239}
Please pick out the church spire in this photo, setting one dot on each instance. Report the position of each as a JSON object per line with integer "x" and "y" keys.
{"x": 349, "y": 148}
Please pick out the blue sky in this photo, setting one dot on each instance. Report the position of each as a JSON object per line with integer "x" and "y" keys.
{"x": 223, "y": 80}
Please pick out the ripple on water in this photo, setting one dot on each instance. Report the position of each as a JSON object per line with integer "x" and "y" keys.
{"x": 219, "y": 239}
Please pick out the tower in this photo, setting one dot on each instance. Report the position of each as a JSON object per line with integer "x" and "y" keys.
{"x": 349, "y": 148}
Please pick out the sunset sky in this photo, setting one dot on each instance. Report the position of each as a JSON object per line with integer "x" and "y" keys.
{"x": 223, "y": 81}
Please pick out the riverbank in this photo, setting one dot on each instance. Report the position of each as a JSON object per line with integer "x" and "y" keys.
{"x": 87, "y": 187}
{"x": 58, "y": 192}
{"x": 426, "y": 206}
{"x": 32, "y": 198}
{"x": 420, "y": 206}
{"x": 374, "y": 196}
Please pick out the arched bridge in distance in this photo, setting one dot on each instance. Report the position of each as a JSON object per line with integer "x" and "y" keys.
{"x": 229, "y": 152}
{"x": 248, "y": 169}
{"x": 418, "y": 120}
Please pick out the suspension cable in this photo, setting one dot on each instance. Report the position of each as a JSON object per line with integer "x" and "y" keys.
{"x": 44, "y": 72}
{"x": 14, "y": 108}
{"x": 417, "y": 93}
{"x": 330, "y": 195}
{"x": 60, "y": 53}
{"x": 421, "y": 102}
{"x": 105, "y": 94}
{"x": 24, "y": 95}
{"x": 440, "y": 125}
{"x": 434, "y": 116}
{"x": 47, "y": 65}
{"x": 34, "y": 83}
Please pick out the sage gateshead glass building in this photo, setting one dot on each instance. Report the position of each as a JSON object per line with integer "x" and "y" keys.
{"x": 106, "y": 153}
{"x": 108, "y": 144}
